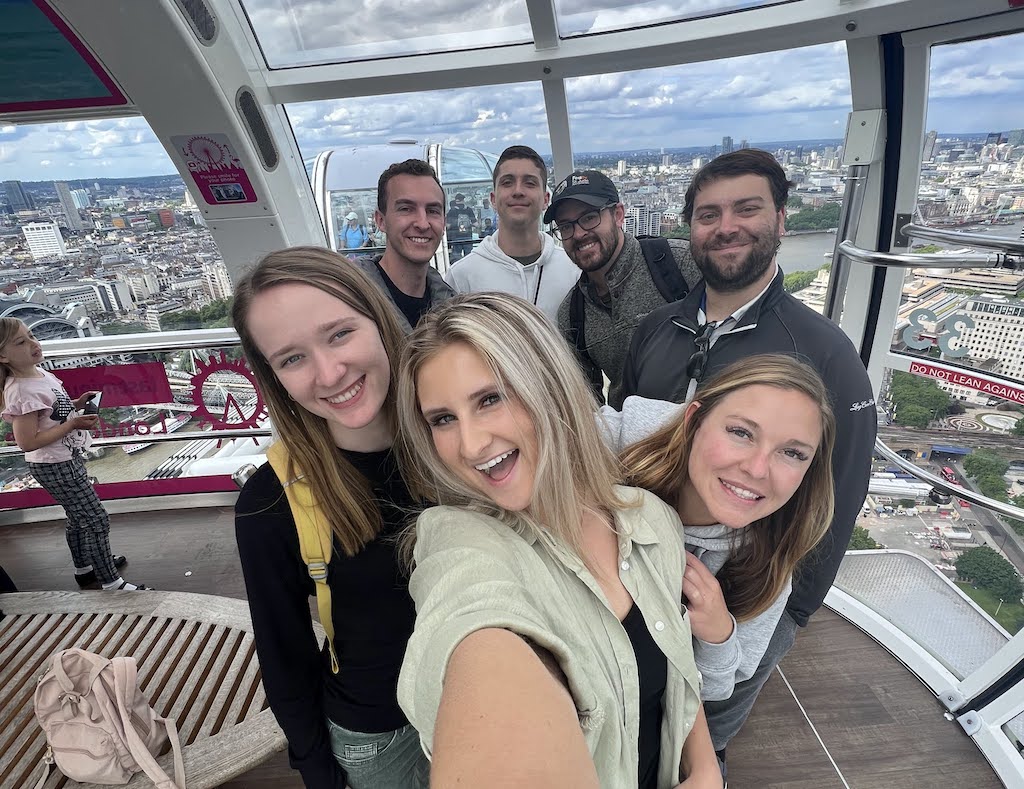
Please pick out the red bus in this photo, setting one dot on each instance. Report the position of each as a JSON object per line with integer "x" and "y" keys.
{"x": 948, "y": 474}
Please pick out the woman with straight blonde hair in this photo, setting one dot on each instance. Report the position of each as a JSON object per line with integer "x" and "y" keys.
{"x": 323, "y": 342}
{"x": 549, "y": 648}
{"x": 747, "y": 465}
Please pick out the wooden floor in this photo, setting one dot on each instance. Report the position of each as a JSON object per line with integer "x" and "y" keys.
{"x": 865, "y": 720}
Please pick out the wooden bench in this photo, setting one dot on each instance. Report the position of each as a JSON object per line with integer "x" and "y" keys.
{"x": 197, "y": 664}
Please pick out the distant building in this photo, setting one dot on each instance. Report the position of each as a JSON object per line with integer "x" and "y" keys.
{"x": 1015, "y": 137}
{"x": 166, "y": 217}
{"x": 17, "y": 198}
{"x": 620, "y": 169}
{"x": 727, "y": 144}
{"x": 44, "y": 239}
{"x": 995, "y": 281}
{"x": 998, "y": 332}
{"x": 153, "y": 313}
{"x": 217, "y": 280}
{"x": 81, "y": 198}
{"x": 68, "y": 204}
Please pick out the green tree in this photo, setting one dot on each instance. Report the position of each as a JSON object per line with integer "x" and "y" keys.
{"x": 798, "y": 280}
{"x": 1016, "y": 525}
{"x": 824, "y": 218}
{"x": 906, "y": 389}
{"x": 1018, "y": 429}
{"x": 985, "y": 568}
{"x": 993, "y": 486}
{"x": 123, "y": 328}
{"x": 683, "y": 231}
{"x": 911, "y": 415}
{"x": 861, "y": 540}
{"x": 984, "y": 462}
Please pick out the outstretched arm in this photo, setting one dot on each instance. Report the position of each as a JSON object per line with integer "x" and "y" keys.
{"x": 506, "y": 721}
{"x": 699, "y": 765}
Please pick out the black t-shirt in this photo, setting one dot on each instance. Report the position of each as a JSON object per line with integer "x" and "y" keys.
{"x": 652, "y": 668}
{"x": 372, "y": 610}
{"x": 412, "y": 307}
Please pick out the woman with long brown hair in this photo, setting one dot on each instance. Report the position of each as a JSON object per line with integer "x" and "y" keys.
{"x": 747, "y": 465}
{"x": 323, "y": 342}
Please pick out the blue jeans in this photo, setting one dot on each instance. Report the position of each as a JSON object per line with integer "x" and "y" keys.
{"x": 386, "y": 760}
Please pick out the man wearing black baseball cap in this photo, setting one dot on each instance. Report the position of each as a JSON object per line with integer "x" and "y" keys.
{"x": 623, "y": 278}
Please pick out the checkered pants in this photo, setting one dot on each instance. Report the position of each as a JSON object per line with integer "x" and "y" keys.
{"x": 88, "y": 527}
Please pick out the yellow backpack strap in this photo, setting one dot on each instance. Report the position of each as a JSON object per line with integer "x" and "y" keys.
{"x": 315, "y": 539}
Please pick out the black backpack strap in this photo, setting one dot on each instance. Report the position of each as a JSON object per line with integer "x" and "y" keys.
{"x": 667, "y": 277}
{"x": 577, "y": 311}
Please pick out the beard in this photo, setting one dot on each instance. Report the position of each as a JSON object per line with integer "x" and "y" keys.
{"x": 606, "y": 249}
{"x": 737, "y": 274}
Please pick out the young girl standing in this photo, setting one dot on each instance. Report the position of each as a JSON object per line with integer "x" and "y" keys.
{"x": 54, "y": 439}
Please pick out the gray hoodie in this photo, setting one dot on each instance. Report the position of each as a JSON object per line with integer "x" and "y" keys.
{"x": 544, "y": 282}
{"x": 736, "y": 659}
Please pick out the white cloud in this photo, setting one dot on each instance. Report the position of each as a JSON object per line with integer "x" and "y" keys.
{"x": 794, "y": 94}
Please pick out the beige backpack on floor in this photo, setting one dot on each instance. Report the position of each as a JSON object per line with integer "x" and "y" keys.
{"x": 98, "y": 723}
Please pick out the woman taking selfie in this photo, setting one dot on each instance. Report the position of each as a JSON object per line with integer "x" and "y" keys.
{"x": 550, "y": 649}
{"x": 322, "y": 341}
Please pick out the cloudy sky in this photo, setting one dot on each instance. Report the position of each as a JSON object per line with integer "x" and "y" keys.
{"x": 797, "y": 94}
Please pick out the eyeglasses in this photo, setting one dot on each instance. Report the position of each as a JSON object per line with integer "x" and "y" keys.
{"x": 698, "y": 362}
{"x": 588, "y": 221}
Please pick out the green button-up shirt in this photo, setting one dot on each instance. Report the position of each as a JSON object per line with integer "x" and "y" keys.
{"x": 475, "y": 572}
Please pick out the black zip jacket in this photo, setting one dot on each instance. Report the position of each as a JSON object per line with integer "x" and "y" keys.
{"x": 655, "y": 367}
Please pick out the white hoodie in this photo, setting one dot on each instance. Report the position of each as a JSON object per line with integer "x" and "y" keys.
{"x": 487, "y": 268}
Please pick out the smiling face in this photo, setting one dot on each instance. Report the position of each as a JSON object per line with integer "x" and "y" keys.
{"x": 520, "y": 194}
{"x": 592, "y": 250}
{"x": 749, "y": 456}
{"x": 488, "y": 442}
{"x": 734, "y": 233}
{"x": 22, "y": 352}
{"x": 328, "y": 357}
{"x": 414, "y": 221}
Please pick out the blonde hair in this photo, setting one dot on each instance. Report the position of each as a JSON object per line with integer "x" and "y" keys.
{"x": 8, "y": 328}
{"x": 758, "y": 569}
{"x": 532, "y": 365}
{"x": 342, "y": 492}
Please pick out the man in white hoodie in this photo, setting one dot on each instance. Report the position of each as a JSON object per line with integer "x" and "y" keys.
{"x": 519, "y": 258}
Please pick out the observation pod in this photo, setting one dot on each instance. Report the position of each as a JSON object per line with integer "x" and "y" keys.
{"x": 344, "y": 182}
{"x": 216, "y": 131}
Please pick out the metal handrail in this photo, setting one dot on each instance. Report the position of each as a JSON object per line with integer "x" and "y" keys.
{"x": 107, "y": 345}
{"x": 941, "y": 485}
{"x": 159, "y": 438}
{"x": 1012, "y": 246}
{"x": 906, "y": 260}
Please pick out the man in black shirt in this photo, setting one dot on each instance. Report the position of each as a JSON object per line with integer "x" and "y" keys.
{"x": 410, "y": 211}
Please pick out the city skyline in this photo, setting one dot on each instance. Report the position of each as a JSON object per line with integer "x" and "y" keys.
{"x": 795, "y": 94}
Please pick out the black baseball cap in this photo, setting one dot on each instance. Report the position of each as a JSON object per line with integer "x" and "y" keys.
{"x": 587, "y": 186}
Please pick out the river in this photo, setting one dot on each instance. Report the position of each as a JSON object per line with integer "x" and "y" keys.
{"x": 806, "y": 251}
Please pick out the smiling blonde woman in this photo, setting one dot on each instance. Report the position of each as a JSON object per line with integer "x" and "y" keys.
{"x": 550, "y": 648}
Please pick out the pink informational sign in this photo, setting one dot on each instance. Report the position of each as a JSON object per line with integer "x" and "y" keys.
{"x": 976, "y": 381}
{"x": 215, "y": 168}
{"x": 120, "y": 384}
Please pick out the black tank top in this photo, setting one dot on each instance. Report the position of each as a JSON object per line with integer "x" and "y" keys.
{"x": 653, "y": 670}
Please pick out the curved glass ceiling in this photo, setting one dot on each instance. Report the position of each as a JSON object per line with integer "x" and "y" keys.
{"x": 314, "y": 32}
{"x": 311, "y": 32}
{"x": 580, "y": 17}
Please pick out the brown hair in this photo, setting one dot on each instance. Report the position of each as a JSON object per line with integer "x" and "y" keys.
{"x": 521, "y": 152}
{"x": 8, "y": 328}
{"x": 759, "y": 568}
{"x": 416, "y": 167}
{"x": 748, "y": 161}
{"x": 342, "y": 492}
